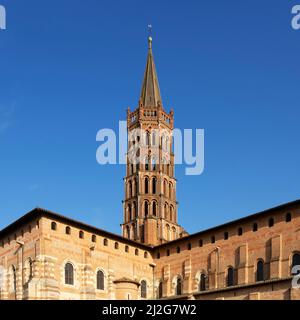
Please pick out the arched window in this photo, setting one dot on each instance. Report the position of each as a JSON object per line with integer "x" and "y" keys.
{"x": 230, "y": 277}
{"x": 202, "y": 284}
{"x": 136, "y": 186}
{"x": 271, "y": 222}
{"x": 166, "y": 211}
{"x": 168, "y": 232}
{"x": 13, "y": 281}
{"x": 174, "y": 233}
{"x": 146, "y": 212}
{"x": 100, "y": 280}
{"x": 165, "y": 187}
{"x": 171, "y": 213}
{"x": 129, "y": 212}
{"x": 154, "y": 208}
{"x": 154, "y": 185}
{"x": 136, "y": 252}
{"x": 153, "y": 138}
{"x": 116, "y": 245}
{"x": 240, "y": 231}
{"x": 126, "y": 249}
{"x": 213, "y": 239}
{"x": 295, "y": 262}
{"x": 288, "y": 217}
{"x": 146, "y": 185}
{"x": 178, "y": 287}
{"x": 93, "y": 238}
{"x": 105, "y": 242}
{"x": 147, "y": 138}
{"x": 134, "y": 210}
{"x": 128, "y": 232}
{"x": 160, "y": 290}
{"x": 81, "y": 234}
{"x": 260, "y": 271}
{"x": 130, "y": 189}
{"x": 178, "y": 249}
{"x": 68, "y": 230}
{"x": 69, "y": 274}
{"x": 53, "y": 226}
{"x": 254, "y": 227}
{"x": 143, "y": 289}
{"x": 226, "y": 235}
{"x": 170, "y": 190}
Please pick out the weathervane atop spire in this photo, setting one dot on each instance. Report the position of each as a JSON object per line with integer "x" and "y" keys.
{"x": 150, "y": 35}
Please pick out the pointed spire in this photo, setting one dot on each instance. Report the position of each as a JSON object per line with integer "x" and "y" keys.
{"x": 150, "y": 95}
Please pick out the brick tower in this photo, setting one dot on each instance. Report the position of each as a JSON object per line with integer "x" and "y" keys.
{"x": 150, "y": 206}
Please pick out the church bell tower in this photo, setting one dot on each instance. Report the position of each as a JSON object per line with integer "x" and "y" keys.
{"x": 150, "y": 206}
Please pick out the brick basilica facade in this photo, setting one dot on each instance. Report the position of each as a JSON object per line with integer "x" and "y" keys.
{"x": 44, "y": 255}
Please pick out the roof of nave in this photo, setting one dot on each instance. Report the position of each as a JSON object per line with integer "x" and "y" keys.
{"x": 252, "y": 217}
{"x": 40, "y": 212}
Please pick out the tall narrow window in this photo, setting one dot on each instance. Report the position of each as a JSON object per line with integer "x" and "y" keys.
{"x": 81, "y": 234}
{"x": 178, "y": 287}
{"x": 240, "y": 231}
{"x": 153, "y": 138}
{"x": 170, "y": 190}
{"x": 68, "y": 230}
{"x": 147, "y": 138}
{"x": 146, "y": 208}
{"x": 160, "y": 290}
{"x": 100, "y": 280}
{"x": 260, "y": 271}
{"x": 154, "y": 208}
{"x": 226, "y": 235}
{"x": 271, "y": 222}
{"x": 129, "y": 212}
{"x": 146, "y": 185}
{"x": 143, "y": 289}
{"x": 13, "y": 279}
{"x": 254, "y": 227}
{"x": 202, "y": 285}
{"x": 128, "y": 232}
{"x": 69, "y": 274}
{"x": 171, "y": 213}
{"x": 130, "y": 189}
{"x": 154, "y": 185}
{"x": 53, "y": 226}
{"x": 230, "y": 277}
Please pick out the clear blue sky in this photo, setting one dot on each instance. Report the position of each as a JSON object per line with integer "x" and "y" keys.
{"x": 70, "y": 68}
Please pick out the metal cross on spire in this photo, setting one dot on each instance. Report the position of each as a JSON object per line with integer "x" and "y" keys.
{"x": 150, "y": 35}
